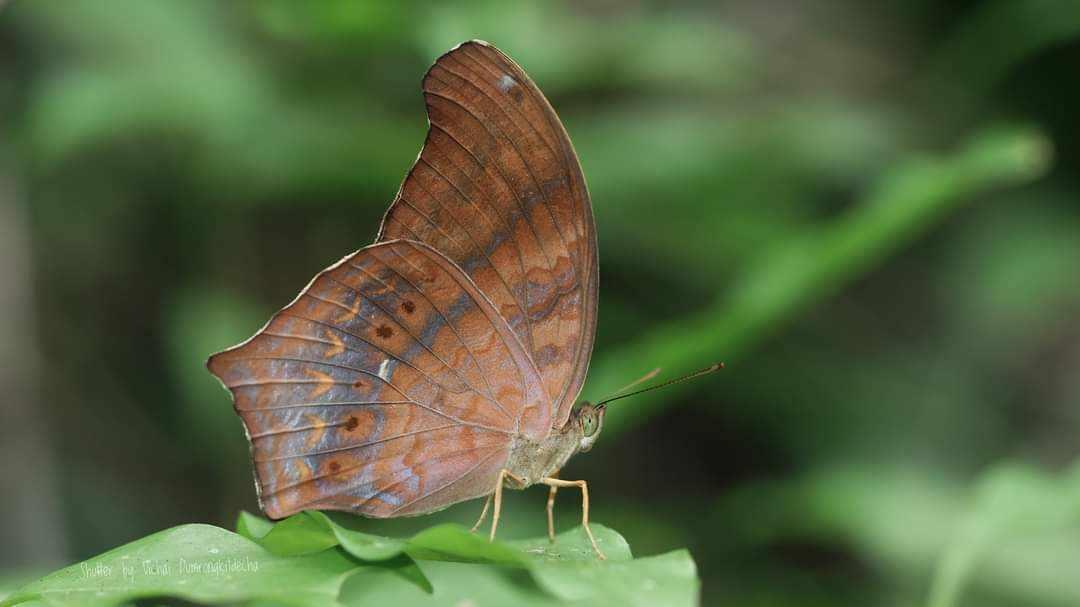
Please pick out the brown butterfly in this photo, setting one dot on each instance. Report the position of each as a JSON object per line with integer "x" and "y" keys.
{"x": 443, "y": 362}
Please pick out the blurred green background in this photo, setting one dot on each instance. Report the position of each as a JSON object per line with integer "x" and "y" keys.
{"x": 869, "y": 211}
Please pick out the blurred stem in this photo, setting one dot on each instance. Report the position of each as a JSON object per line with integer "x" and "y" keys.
{"x": 31, "y": 506}
{"x": 795, "y": 274}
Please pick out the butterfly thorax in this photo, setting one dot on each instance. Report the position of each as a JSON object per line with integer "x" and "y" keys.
{"x": 533, "y": 460}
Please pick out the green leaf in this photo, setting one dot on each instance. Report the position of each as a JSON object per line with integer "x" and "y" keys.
{"x": 408, "y": 570}
{"x": 455, "y": 543}
{"x": 207, "y": 564}
{"x": 573, "y": 545}
{"x": 454, "y": 584}
{"x": 357, "y": 543}
{"x": 197, "y": 563}
{"x": 311, "y": 531}
{"x": 298, "y": 534}
{"x": 10, "y": 581}
{"x": 669, "y": 580}
{"x": 251, "y": 526}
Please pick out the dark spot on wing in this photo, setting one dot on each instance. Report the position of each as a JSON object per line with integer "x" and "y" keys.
{"x": 358, "y": 384}
{"x": 384, "y": 332}
{"x": 335, "y": 467}
{"x": 352, "y": 423}
{"x": 408, "y": 306}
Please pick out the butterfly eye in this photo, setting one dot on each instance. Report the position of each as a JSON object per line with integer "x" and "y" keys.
{"x": 588, "y": 425}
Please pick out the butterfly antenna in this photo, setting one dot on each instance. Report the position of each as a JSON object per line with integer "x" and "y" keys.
{"x": 710, "y": 369}
{"x": 646, "y": 377}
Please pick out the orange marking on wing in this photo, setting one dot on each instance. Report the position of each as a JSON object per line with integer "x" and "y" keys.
{"x": 318, "y": 427}
{"x": 325, "y": 382}
{"x": 351, "y": 313}
{"x": 339, "y": 346}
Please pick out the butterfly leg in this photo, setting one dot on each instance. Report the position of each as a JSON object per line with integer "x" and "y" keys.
{"x": 555, "y": 482}
{"x": 552, "y": 490}
{"x": 503, "y": 474}
{"x": 483, "y": 514}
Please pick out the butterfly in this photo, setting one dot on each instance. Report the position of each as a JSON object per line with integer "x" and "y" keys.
{"x": 442, "y": 363}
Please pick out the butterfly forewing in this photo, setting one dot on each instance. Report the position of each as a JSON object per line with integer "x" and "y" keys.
{"x": 390, "y": 386}
{"x": 498, "y": 189}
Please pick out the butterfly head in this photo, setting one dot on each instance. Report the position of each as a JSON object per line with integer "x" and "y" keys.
{"x": 590, "y": 420}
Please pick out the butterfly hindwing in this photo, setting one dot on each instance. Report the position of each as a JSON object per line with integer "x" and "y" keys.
{"x": 390, "y": 386}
